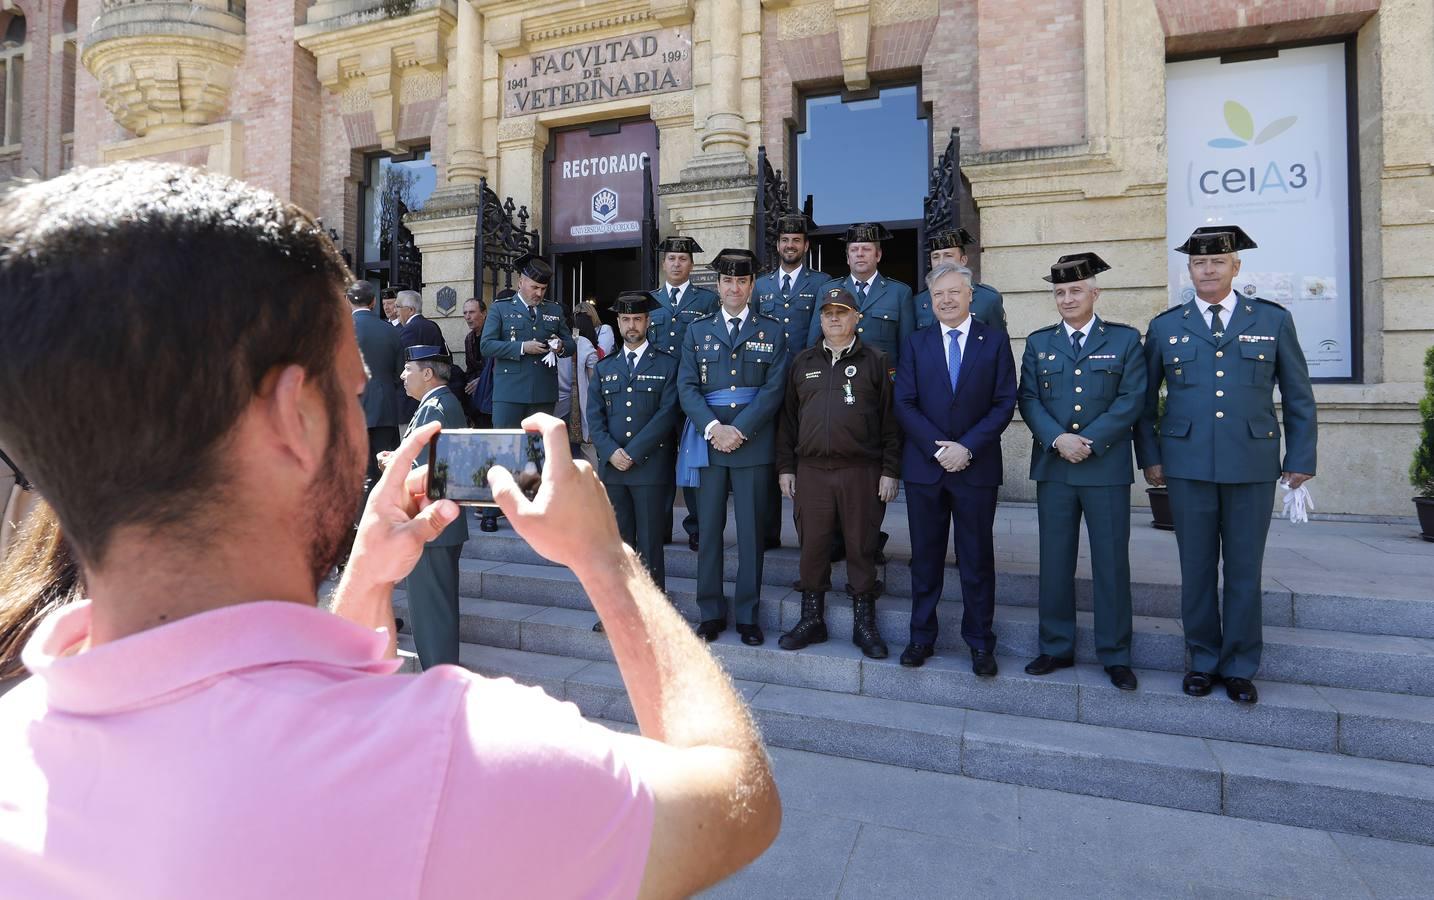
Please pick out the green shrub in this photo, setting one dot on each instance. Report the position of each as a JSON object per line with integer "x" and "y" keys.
{"x": 1421, "y": 471}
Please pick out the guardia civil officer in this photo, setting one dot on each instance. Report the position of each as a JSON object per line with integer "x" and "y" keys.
{"x": 789, "y": 294}
{"x": 433, "y": 584}
{"x": 520, "y": 333}
{"x": 632, "y": 411}
{"x": 679, "y": 304}
{"x": 1082, "y": 391}
{"x": 888, "y": 315}
{"x": 730, "y": 385}
{"x": 1217, "y": 448}
{"x": 949, "y": 247}
{"x": 838, "y": 458}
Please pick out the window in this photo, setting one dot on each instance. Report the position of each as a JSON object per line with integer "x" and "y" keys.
{"x": 393, "y": 186}
{"x": 12, "y": 76}
{"x": 865, "y": 160}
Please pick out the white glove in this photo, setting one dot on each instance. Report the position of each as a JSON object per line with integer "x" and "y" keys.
{"x": 550, "y": 359}
{"x": 555, "y": 346}
{"x": 1298, "y": 503}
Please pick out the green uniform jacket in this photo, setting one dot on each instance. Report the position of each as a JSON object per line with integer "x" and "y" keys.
{"x": 441, "y": 405}
{"x": 710, "y": 363}
{"x": 520, "y": 377}
{"x": 1098, "y": 395}
{"x": 666, "y": 327}
{"x": 795, "y": 310}
{"x": 637, "y": 413}
{"x": 887, "y": 317}
{"x": 1219, "y": 423}
{"x": 986, "y": 306}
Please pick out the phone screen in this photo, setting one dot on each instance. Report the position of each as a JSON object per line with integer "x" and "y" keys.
{"x": 459, "y": 460}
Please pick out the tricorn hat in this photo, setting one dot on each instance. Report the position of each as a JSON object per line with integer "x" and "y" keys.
{"x": 1076, "y": 267}
{"x": 866, "y": 233}
{"x": 838, "y": 295}
{"x": 631, "y": 303}
{"x": 950, "y": 239}
{"x": 1214, "y": 240}
{"x": 679, "y": 244}
{"x": 420, "y": 352}
{"x": 794, "y": 223}
{"x": 535, "y": 267}
{"x": 735, "y": 262}
{"x": 360, "y": 293}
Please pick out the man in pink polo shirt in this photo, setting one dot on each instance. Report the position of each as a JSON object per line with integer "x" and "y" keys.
{"x": 197, "y": 727}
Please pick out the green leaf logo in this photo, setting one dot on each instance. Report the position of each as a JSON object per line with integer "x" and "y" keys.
{"x": 1242, "y": 126}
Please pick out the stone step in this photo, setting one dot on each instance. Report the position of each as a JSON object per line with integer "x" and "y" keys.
{"x": 1360, "y": 723}
{"x": 1334, "y": 606}
{"x": 1300, "y": 787}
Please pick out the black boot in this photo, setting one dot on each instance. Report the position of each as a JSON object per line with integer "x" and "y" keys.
{"x": 811, "y": 628}
{"x": 863, "y": 627}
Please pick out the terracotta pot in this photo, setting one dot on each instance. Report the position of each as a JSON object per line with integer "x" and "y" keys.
{"x": 1424, "y": 506}
{"x": 1160, "y": 508}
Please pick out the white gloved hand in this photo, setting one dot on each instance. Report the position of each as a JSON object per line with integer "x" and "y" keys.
{"x": 550, "y": 359}
{"x": 1297, "y": 503}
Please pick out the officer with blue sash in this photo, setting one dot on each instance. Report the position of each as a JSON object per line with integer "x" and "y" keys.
{"x": 730, "y": 385}
{"x": 949, "y": 247}
{"x": 1217, "y": 449}
{"x": 887, "y": 314}
{"x": 1082, "y": 390}
{"x": 679, "y": 304}
{"x": 632, "y": 414}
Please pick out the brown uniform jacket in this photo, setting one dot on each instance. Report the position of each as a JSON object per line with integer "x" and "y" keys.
{"x": 839, "y": 415}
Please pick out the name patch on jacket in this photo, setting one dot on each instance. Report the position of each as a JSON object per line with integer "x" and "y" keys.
{"x": 812, "y": 375}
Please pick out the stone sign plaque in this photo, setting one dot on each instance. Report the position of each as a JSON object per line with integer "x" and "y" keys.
{"x": 653, "y": 62}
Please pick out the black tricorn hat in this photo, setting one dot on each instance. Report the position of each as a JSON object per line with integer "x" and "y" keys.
{"x": 679, "y": 244}
{"x": 1214, "y": 240}
{"x": 1076, "y": 267}
{"x": 866, "y": 233}
{"x": 950, "y": 239}
{"x": 631, "y": 303}
{"x": 360, "y": 293}
{"x": 535, "y": 267}
{"x": 420, "y": 352}
{"x": 735, "y": 262}
{"x": 794, "y": 223}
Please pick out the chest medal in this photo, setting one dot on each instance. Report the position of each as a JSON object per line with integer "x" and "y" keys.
{"x": 848, "y": 397}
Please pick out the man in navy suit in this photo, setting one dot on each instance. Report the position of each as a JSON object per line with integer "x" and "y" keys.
{"x": 383, "y": 355}
{"x": 955, "y": 394}
{"x": 417, "y": 329}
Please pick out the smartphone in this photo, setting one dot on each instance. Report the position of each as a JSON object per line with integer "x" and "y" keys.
{"x": 459, "y": 460}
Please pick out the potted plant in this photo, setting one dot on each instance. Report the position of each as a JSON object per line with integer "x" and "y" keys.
{"x": 1159, "y": 497}
{"x": 1421, "y": 471}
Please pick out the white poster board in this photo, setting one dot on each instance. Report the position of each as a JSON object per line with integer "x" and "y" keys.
{"x": 1264, "y": 145}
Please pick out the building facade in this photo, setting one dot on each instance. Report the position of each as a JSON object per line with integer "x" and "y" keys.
{"x": 1108, "y": 125}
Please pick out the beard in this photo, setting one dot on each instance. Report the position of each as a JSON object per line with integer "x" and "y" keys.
{"x": 334, "y": 495}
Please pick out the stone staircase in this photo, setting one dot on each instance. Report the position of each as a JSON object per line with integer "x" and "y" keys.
{"x": 1342, "y": 738}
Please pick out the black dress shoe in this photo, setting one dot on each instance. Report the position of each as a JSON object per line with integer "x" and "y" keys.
{"x": 1045, "y": 664}
{"x": 1198, "y": 684}
{"x": 692, "y": 542}
{"x": 597, "y": 626}
{"x": 752, "y": 635}
{"x": 916, "y": 654}
{"x": 1122, "y": 677}
{"x": 709, "y": 629}
{"x": 1242, "y": 690}
{"x": 488, "y": 523}
{"x": 983, "y": 663}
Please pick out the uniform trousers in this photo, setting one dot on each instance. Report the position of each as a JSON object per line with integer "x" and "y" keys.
{"x": 930, "y": 511}
{"x": 640, "y": 517}
{"x": 382, "y": 438}
{"x": 1107, "y": 523}
{"x": 1215, "y": 520}
{"x": 748, "y": 486}
{"x": 511, "y": 415}
{"x": 433, "y": 605}
{"x": 838, "y": 503}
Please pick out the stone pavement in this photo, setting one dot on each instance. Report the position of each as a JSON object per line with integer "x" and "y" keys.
{"x": 855, "y": 829}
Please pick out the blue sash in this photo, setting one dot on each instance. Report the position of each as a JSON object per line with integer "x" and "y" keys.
{"x": 692, "y": 452}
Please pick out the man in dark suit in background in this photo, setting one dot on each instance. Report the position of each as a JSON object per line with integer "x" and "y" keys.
{"x": 383, "y": 355}
{"x": 417, "y": 329}
{"x": 955, "y": 394}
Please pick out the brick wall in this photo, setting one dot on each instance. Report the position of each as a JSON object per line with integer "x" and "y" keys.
{"x": 1031, "y": 57}
{"x": 1198, "y": 26}
{"x": 276, "y": 96}
{"x": 948, "y": 77}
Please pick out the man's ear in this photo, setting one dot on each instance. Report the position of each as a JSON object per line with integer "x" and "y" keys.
{"x": 295, "y": 414}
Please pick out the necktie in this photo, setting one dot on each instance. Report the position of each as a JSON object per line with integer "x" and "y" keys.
{"x": 732, "y": 325}
{"x": 1075, "y": 343}
{"x": 861, "y": 291}
{"x": 786, "y": 284}
{"x": 953, "y": 357}
{"x": 533, "y": 314}
{"x": 1217, "y": 327}
{"x": 631, "y": 362}
{"x": 675, "y": 294}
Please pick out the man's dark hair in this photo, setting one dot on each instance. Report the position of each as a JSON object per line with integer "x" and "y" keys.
{"x": 118, "y": 401}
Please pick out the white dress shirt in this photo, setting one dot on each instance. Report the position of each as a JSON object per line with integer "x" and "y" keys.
{"x": 870, "y": 280}
{"x": 681, "y": 291}
{"x": 636, "y": 351}
{"x": 793, "y": 275}
{"x": 1227, "y": 309}
{"x": 1083, "y": 329}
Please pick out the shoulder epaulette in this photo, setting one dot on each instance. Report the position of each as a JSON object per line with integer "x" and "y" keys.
{"x": 651, "y": 349}
{"x": 709, "y": 316}
{"x": 1046, "y": 328}
{"x": 1167, "y": 312}
{"x": 1280, "y": 306}
{"x": 773, "y": 319}
{"x": 1119, "y": 325}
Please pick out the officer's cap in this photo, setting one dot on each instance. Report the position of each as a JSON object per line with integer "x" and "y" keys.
{"x": 1076, "y": 267}
{"x": 950, "y": 239}
{"x": 735, "y": 262}
{"x": 679, "y": 244}
{"x": 866, "y": 233}
{"x": 631, "y": 303}
{"x": 838, "y": 296}
{"x": 794, "y": 223}
{"x": 1214, "y": 240}
{"x": 420, "y": 352}
{"x": 360, "y": 293}
{"x": 535, "y": 267}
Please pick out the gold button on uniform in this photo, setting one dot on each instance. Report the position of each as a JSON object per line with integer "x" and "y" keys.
{"x": 1075, "y": 426}
{"x": 1220, "y": 374}
{"x": 1219, "y": 393}
{"x": 1079, "y": 389}
{"x": 1219, "y": 415}
{"x": 734, "y": 371}
{"x": 1176, "y": 359}
{"x": 734, "y": 406}
{"x": 629, "y": 418}
{"x": 1077, "y": 407}
{"x": 1262, "y": 356}
{"x": 1219, "y": 353}
{"x": 1077, "y": 371}
{"x": 629, "y": 403}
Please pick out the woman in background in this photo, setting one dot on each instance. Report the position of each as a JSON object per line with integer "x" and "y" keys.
{"x": 37, "y": 576}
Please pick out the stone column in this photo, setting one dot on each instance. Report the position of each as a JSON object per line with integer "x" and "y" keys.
{"x": 466, "y": 163}
{"x": 725, "y": 131}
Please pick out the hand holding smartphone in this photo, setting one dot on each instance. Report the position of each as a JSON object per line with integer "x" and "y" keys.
{"x": 459, "y": 460}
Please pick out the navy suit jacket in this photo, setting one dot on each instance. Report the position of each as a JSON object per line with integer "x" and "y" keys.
{"x": 421, "y": 332}
{"x": 974, "y": 416}
{"x": 383, "y": 354}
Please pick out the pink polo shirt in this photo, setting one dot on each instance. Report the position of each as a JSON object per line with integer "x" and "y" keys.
{"x": 264, "y": 750}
